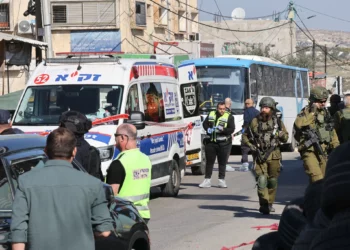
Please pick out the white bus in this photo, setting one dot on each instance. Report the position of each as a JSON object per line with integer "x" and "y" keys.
{"x": 240, "y": 79}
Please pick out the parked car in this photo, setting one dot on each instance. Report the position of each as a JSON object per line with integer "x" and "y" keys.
{"x": 21, "y": 153}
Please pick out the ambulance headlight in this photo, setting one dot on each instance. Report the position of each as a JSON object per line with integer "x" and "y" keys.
{"x": 106, "y": 153}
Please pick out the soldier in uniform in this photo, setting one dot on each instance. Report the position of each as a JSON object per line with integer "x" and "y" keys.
{"x": 315, "y": 134}
{"x": 263, "y": 137}
{"x": 342, "y": 120}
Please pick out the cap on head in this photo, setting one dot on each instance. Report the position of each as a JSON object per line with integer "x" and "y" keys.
{"x": 346, "y": 93}
{"x": 318, "y": 94}
{"x": 5, "y": 117}
{"x": 76, "y": 122}
{"x": 267, "y": 102}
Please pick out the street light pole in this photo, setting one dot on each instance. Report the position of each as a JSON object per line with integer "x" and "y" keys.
{"x": 313, "y": 58}
{"x": 45, "y": 4}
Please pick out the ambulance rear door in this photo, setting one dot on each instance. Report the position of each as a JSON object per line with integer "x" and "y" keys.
{"x": 190, "y": 90}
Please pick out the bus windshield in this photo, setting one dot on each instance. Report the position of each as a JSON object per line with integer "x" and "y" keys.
{"x": 43, "y": 105}
{"x": 218, "y": 83}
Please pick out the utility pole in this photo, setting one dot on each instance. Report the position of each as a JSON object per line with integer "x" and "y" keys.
{"x": 39, "y": 31}
{"x": 291, "y": 25}
{"x": 325, "y": 59}
{"x": 313, "y": 58}
{"x": 45, "y": 5}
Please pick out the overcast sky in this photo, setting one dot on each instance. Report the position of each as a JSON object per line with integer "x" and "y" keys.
{"x": 254, "y": 8}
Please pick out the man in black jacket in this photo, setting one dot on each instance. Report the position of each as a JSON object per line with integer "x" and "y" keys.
{"x": 219, "y": 126}
{"x": 87, "y": 155}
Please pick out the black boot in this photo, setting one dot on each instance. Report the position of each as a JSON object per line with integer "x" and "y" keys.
{"x": 264, "y": 209}
{"x": 271, "y": 208}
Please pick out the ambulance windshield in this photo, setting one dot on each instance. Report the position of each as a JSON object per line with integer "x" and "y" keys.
{"x": 43, "y": 105}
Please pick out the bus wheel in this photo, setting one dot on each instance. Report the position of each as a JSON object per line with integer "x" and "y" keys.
{"x": 171, "y": 189}
{"x": 200, "y": 170}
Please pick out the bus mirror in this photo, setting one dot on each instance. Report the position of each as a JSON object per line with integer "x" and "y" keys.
{"x": 137, "y": 119}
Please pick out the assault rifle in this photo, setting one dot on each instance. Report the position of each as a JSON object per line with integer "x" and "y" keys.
{"x": 313, "y": 140}
{"x": 257, "y": 145}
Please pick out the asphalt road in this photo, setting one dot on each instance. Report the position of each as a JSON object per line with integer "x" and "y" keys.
{"x": 209, "y": 219}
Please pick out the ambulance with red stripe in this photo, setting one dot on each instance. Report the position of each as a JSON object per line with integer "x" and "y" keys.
{"x": 112, "y": 91}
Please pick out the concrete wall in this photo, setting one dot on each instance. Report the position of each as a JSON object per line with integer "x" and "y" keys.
{"x": 280, "y": 40}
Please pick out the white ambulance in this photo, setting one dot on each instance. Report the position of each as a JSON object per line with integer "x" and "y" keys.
{"x": 111, "y": 91}
{"x": 190, "y": 92}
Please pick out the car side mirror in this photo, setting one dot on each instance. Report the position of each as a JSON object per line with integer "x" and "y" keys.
{"x": 137, "y": 119}
{"x": 108, "y": 193}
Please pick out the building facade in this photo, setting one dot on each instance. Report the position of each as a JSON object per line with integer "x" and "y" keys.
{"x": 126, "y": 26}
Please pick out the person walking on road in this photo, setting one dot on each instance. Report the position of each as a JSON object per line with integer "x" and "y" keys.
{"x": 87, "y": 155}
{"x": 315, "y": 134}
{"x": 219, "y": 126}
{"x": 250, "y": 112}
{"x": 342, "y": 120}
{"x": 130, "y": 173}
{"x": 57, "y": 207}
{"x": 5, "y": 124}
{"x": 263, "y": 136}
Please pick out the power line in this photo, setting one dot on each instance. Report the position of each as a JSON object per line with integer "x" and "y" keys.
{"x": 337, "y": 18}
{"x": 216, "y": 3}
{"x": 304, "y": 25}
{"x": 169, "y": 43}
{"x": 151, "y": 44}
{"x": 219, "y": 28}
{"x": 229, "y": 17}
{"x": 296, "y": 51}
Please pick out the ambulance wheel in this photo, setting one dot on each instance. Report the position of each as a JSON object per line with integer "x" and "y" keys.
{"x": 171, "y": 189}
{"x": 200, "y": 170}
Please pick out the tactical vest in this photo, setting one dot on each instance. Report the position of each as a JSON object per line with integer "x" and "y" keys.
{"x": 345, "y": 124}
{"x": 137, "y": 183}
{"x": 325, "y": 136}
{"x": 221, "y": 122}
{"x": 266, "y": 132}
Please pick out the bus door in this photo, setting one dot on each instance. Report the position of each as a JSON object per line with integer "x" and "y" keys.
{"x": 299, "y": 90}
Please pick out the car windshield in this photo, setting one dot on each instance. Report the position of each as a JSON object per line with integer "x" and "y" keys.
{"x": 218, "y": 83}
{"x": 43, "y": 105}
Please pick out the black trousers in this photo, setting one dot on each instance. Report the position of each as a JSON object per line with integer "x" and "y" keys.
{"x": 219, "y": 150}
{"x": 245, "y": 150}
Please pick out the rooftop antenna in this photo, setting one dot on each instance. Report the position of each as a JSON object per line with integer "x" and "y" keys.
{"x": 238, "y": 14}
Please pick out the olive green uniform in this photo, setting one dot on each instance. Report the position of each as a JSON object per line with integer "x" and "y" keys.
{"x": 266, "y": 172}
{"x": 342, "y": 124}
{"x": 314, "y": 162}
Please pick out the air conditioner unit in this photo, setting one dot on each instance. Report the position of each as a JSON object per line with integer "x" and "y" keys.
{"x": 26, "y": 27}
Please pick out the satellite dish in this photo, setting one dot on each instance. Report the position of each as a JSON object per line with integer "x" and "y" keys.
{"x": 238, "y": 14}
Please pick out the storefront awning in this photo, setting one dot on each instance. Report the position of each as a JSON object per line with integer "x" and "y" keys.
{"x": 8, "y": 37}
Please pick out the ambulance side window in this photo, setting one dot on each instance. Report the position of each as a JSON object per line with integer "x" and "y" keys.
{"x": 133, "y": 102}
{"x": 153, "y": 102}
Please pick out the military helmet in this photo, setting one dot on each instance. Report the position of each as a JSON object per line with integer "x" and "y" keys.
{"x": 76, "y": 122}
{"x": 267, "y": 102}
{"x": 318, "y": 93}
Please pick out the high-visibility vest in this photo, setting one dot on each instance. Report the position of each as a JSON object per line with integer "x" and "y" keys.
{"x": 222, "y": 121}
{"x": 137, "y": 182}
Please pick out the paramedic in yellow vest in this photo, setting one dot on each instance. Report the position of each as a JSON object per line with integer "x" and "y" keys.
{"x": 130, "y": 173}
{"x": 219, "y": 126}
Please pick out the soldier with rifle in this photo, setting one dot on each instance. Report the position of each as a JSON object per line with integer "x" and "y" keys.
{"x": 263, "y": 136}
{"x": 315, "y": 134}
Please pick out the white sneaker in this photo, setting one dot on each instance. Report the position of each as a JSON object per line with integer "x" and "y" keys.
{"x": 230, "y": 169}
{"x": 222, "y": 183}
{"x": 205, "y": 184}
{"x": 244, "y": 167}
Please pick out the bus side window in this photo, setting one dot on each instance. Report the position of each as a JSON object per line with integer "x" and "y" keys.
{"x": 253, "y": 81}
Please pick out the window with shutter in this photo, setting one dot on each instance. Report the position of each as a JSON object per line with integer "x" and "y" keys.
{"x": 140, "y": 13}
{"x": 84, "y": 13}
